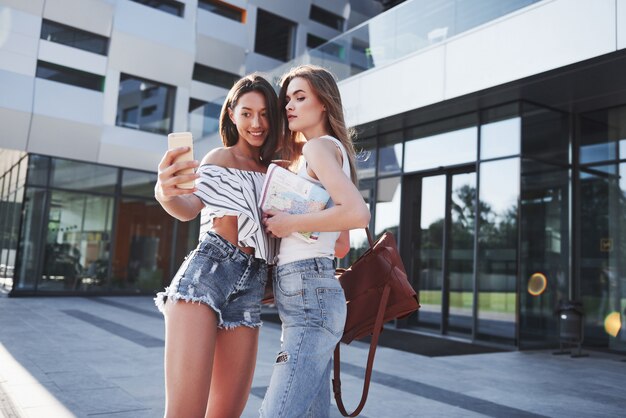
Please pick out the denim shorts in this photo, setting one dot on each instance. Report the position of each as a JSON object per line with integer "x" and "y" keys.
{"x": 221, "y": 276}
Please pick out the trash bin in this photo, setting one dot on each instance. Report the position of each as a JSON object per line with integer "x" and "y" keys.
{"x": 571, "y": 324}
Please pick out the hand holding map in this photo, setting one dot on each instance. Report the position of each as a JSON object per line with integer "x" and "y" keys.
{"x": 287, "y": 192}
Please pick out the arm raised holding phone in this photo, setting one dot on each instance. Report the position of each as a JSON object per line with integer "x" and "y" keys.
{"x": 175, "y": 183}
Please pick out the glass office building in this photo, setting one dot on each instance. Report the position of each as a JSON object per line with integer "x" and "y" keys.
{"x": 503, "y": 214}
{"x": 72, "y": 228}
{"x": 491, "y": 139}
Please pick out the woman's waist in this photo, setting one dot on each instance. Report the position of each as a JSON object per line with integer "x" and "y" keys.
{"x": 316, "y": 264}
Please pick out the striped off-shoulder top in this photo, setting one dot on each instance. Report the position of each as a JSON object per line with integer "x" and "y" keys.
{"x": 233, "y": 192}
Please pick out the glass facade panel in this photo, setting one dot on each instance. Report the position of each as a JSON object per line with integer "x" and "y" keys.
{"x": 74, "y": 175}
{"x": 173, "y": 7}
{"x": 204, "y": 118}
{"x": 358, "y": 237}
{"x": 31, "y": 234}
{"x": 145, "y": 105}
{"x": 223, "y": 9}
{"x": 366, "y": 158}
{"x": 434, "y": 151}
{"x": 71, "y": 76}
{"x": 461, "y": 253}
{"x": 274, "y": 36}
{"x": 187, "y": 237}
{"x": 390, "y": 154}
{"x": 214, "y": 76}
{"x": 388, "y": 194}
{"x": 77, "y": 242}
{"x": 138, "y": 183}
{"x": 601, "y": 132}
{"x": 497, "y": 249}
{"x": 500, "y": 139}
{"x": 544, "y": 227}
{"x": 430, "y": 280}
{"x": 142, "y": 259}
{"x": 76, "y": 38}
{"x": 326, "y": 18}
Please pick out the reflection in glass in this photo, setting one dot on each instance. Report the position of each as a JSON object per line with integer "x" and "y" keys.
{"x": 390, "y": 159}
{"x": 402, "y": 30}
{"x": 434, "y": 151}
{"x": 145, "y": 105}
{"x": 77, "y": 243}
{"x": 544, "y": 217}
{"x": 388, "y": 206}
{"x": 138, "y": 183}
{"x": 497, "y": 249}
{"x": 365, "y": 160}
{"x": 430, "y": 280}
{"x": 76, "y": 175}
{"x": 461, "y": 252}
{"x": 143, "y": 246}
{"x": 358, "y": 237}
{"x": 601, "y": 132}
{"x": 29, "y": 245}
{"x": 204, "y": 117}
{"x": 603, "y": 251}
{"x": 499, "y": 139}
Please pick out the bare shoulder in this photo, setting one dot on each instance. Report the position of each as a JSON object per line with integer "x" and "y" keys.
{"x": 219, "y": 156}
{"x": 321, "y": 147}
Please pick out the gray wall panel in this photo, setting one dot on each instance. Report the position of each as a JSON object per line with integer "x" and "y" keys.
{"x": 219, "y": 54}
{"x": 63, "y": 138}
{"x": 91, "y": 15}
{"x": 14, "y": 132}
{"x": 145, "y": 58}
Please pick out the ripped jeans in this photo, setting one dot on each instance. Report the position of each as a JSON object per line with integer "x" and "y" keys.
{"x": 221, "y": 276}
{"x": 312, "y": 308}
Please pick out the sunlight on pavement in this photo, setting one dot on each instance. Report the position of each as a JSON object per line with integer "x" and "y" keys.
{"x": 23, "y": 395}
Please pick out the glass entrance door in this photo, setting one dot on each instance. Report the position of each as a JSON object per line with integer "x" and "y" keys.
{"x": 442, "y": 245}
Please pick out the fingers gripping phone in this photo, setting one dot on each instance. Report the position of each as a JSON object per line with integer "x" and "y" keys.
{"x": 182, "y": 139}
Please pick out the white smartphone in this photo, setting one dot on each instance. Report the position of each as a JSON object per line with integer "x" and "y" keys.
{"x": 182, "y": 139}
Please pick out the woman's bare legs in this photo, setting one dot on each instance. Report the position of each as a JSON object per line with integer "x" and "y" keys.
{"x": 190, "y": 334}
{"x": 233, "y": 369}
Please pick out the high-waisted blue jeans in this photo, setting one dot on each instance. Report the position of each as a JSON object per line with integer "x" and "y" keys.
{"x": 312, "y": 308}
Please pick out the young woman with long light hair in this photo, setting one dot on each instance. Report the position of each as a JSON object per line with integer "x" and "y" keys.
{"x": 310, "y": 300}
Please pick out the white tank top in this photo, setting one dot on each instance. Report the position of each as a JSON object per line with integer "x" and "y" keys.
{"x": 294, "y": 249}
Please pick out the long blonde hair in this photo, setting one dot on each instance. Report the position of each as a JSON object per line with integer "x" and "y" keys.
{"x": 326, "y": 90}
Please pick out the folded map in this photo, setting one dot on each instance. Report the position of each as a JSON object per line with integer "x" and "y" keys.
{"x": 285, "y": 191}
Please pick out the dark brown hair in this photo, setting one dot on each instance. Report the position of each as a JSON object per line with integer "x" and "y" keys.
{"x": 228, "y": 130}
{"x": 325, "y": 88}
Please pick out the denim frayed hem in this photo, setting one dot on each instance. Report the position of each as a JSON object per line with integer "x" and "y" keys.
{"x": 160, "y": 298}
{"x": 233, "y": 325}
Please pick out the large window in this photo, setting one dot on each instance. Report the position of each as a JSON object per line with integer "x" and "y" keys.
{"x": 67, "y": 35}
{"x": 326, "y": 18}
{"x": 214, "y": 76}
{"x": 274, "y": 36}
{"x": 77, "y": 242}
{"x": 204, "y": 117}
{"x": 145, "y": 105}
{"x": 54, "y": 72}
{"x": 602, "y": 209}
{"x": 223, "y": 9}
{"x": 168, "y": 6}
{"x": 89, "y": 228}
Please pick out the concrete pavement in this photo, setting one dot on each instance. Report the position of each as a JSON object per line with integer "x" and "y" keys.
{"x": 101, "y": 357}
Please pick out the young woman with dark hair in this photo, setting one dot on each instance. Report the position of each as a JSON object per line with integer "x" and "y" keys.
{"x": 212, "y": 306}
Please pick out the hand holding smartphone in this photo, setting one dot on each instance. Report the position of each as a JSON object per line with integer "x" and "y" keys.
{"x": 182, "y": 139}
